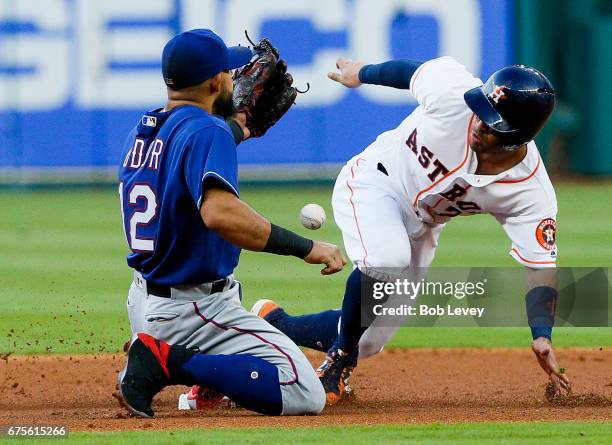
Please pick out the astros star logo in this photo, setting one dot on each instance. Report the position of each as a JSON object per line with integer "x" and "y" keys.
{"x": 546, "y": 234}
{"x": 549, "y": 234}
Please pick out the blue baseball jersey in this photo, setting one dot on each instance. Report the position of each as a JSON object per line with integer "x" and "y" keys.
{"x": 169, "y": 159}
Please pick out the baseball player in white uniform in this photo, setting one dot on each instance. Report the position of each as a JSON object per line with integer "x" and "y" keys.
{"x": 467, "y": 148}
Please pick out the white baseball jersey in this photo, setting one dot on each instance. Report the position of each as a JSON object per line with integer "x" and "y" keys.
{"x": 431, "y": 168}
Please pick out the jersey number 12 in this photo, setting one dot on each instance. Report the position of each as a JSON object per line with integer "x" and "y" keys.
{"x": 139, "y": 217}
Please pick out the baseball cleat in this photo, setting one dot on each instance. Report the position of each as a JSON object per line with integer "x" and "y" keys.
{"x": 263, "y": 308}
{"x": 334, "y": 374}
{"x": 200, "y": 398}
{"x": 147, "y": 371}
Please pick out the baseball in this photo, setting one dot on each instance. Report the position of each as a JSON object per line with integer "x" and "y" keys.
{"x": 312, "y": 216}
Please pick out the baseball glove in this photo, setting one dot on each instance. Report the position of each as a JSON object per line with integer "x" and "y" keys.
{"x": 263, "y": 89}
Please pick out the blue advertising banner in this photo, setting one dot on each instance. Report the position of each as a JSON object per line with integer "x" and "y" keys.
{"x": 75, "y": 75}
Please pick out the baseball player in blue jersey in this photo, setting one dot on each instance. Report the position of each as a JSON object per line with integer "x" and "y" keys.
{"x": 466, "y": 149}
{"x": 185, "y": 225}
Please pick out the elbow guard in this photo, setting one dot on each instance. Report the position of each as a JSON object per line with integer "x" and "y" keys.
{"x": 541, "y": 303}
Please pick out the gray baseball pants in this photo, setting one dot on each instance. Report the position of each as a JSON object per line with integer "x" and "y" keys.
{"x": 219, "y": 324}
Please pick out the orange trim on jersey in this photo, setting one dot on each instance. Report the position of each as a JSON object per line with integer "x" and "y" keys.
{"x": 355, "y": 210}
{"x": 514, "y": 181}
{"x": 436, "y": 204}
{"x": 529, "y": 261}
{"x": 452, "y": 172}
{"x": 429, "y": 210}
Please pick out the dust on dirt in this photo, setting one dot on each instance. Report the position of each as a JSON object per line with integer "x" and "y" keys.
{"x": 396, "y": 386}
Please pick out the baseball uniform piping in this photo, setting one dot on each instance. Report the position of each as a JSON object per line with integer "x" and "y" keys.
{"x": 355, "y": 210}
{"x": 436, "y": 204}
{"x": 453, "y": 171}
{"x": 529, "y": 261}
{"x": 514, "y": 181}
{"x": 219, "y": 177}
{"x": 259, "y": 337}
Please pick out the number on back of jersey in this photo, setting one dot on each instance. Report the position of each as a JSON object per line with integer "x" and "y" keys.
{"x": 142, "y": 204}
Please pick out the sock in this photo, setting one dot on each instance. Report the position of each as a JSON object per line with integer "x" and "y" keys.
{"x": 315, "y": 331}
{"x": 249, "y": 381}
{"x": 350, "y": 325}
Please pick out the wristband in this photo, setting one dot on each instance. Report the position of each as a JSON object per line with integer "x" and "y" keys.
{"x": 236, "y": 130}
{"x": 285, "y": 242}
{"x": 541, "y": 303}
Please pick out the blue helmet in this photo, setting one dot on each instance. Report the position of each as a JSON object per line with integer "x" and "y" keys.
{"x": 515, "y": 103}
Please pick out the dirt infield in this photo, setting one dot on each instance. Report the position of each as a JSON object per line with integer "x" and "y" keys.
{"x": 398, "y": 386}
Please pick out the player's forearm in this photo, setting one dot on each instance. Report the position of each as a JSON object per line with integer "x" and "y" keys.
{"x": 236, "y": 222}
{"x": 541, "y": 301}
{"x": 394, "y": 73}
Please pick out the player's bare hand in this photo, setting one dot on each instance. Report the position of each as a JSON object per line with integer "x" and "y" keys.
{"x": 543, "y": 350}
{"x": 349, "y": 72}
{"x": 328, "y": 254}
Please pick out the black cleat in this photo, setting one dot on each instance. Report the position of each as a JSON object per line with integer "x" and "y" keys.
{"x": 148, "y": 370}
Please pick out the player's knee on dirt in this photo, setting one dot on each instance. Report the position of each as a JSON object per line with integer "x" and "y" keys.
{"x": 306, "y": 396}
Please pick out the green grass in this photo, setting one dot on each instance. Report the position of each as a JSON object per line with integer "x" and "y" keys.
{"x": 63, "y": 276}
{"x": 482, "y": 433}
